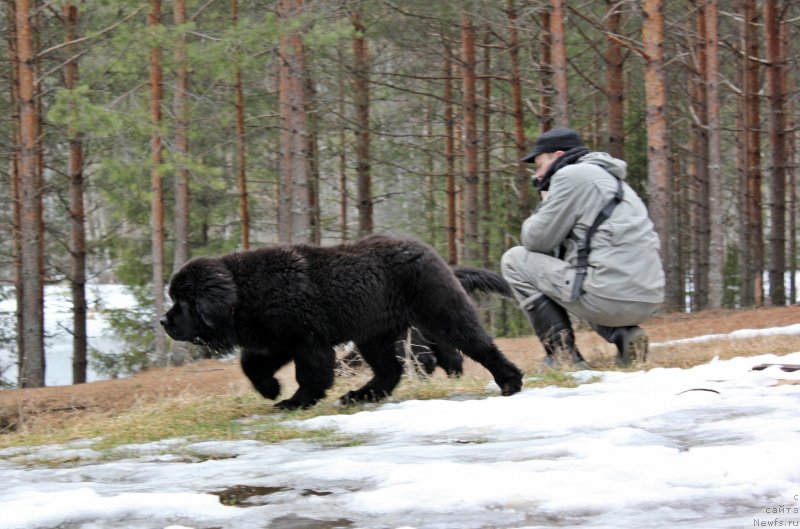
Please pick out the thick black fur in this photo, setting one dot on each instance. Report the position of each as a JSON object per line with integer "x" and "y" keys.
{"x": 426, "y": 354}
{"x": 297, "y": 302}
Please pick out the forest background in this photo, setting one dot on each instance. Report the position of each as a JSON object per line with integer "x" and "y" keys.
{"x": 139, "y": 134}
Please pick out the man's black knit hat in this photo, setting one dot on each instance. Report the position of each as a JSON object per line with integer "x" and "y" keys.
{"x": 559, "y": 139}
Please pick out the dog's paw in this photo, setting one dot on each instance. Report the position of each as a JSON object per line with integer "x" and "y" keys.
{"x": 454, "y": 372}
{"x": 269, "y": 388}
{"x": 293, "y": 404}
{"x": 509, "y": 387}
{"x": 362, "y": 395}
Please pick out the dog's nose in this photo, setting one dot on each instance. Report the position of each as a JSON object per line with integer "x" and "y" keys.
{"x": 163, "y": 321}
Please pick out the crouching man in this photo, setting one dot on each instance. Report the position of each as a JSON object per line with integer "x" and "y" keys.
{"x": 589, "y": 249}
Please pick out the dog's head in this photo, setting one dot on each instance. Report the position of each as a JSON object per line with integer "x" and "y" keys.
{"x": 203, "y": 293}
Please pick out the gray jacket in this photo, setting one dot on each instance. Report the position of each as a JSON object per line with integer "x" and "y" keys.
{"x": 624, "y": 262}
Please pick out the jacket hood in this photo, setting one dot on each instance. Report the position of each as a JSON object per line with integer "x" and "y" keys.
{"x": 615, "y": 166}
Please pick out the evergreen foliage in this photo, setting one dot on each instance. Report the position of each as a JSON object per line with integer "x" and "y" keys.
{"x": 407, "y": 45}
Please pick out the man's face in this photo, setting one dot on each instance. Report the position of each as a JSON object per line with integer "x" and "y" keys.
{"x": 544, "y": 161}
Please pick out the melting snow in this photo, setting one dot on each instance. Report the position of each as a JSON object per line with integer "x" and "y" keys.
{"x": 715, "y": 446}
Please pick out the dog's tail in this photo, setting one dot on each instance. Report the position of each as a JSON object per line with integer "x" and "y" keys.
{"x": 481, "y": 280}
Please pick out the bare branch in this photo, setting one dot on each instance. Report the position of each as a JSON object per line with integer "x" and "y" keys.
{"x": 89, "y": 37}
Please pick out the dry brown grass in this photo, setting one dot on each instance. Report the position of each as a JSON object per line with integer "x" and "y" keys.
{"x": 207, "y": 397}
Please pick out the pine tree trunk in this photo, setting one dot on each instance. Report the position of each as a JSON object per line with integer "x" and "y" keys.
{"x": 241, "y": 142}
{"x": 450, "y": 159}
{"x": 546, "y": 66}
{"x": 343, "y": 201}
{"x": 615, "y": 94}
{"x": 559, "y": 55}
{"x": 471, "y": 252}
{"x": 716, "y": 247}
{"x": 39, "y": 111}
{"x": 777, "y": 138}
{"x": 315, "y": 229}
{"x": 486, "y": 179}
{"x": 699, "y": 183}
{"x": 285, "y": 112}
{"x": 521, "y": 171}
{"x": 789, "y": 87}
{"x": 657, "y": 135}
{"x": 14, "y": 172}
{"x": 157, "y": 205}
{"x": 431, "y": 228}
{"x": 77, "y": 214}
{"x": 31, "y": 232}
{"x": 752, "y": 245}
{"x": 294, "y": 218}
{"x": 361, "y": 101}
{"x": 181, "y": 142}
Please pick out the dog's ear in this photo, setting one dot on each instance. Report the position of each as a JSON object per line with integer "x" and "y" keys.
{"x": 215, "y": 298}
{"x": 214, "y": 312}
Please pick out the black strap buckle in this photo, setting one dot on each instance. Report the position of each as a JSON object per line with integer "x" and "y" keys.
{"x": 584, "y": 245}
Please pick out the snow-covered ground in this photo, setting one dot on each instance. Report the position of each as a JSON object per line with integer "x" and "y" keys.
{"x": 715, "y": 446}
{"x": 58, "y": 330}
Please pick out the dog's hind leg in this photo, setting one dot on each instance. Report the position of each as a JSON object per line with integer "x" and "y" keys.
{"x": 448, "y": 358}
{"x": 476, "y": 344}
{"x": 460, "y": 328}
{"x": 260, "y": 365}
{"x": 441, "y": 354}
{"x": 314, "y": 371}
{"x": 417, "y": 349}
{"x": 386, "y": 368}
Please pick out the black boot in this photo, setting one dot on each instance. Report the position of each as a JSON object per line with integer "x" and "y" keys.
{"x": 551, "y": 323}
{"x": 631, "y": 342}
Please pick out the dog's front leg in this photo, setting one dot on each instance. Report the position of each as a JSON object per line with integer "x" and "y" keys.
{"x": 260, "y": 365}
{"x": 386, "y": 369}
{"x": 314, "y": 370}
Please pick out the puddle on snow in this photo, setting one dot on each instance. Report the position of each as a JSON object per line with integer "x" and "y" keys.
{"x": 239, "y": 494}
{"x": 249, "y": 495}
{"x": 293, "y": 521}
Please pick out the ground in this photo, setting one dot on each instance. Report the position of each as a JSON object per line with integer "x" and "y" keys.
{"x": 215, "y": 377}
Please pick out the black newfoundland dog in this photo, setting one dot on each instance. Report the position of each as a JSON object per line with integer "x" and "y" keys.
{"x": 296, "y": 302}
{"x": 426, "y": 355}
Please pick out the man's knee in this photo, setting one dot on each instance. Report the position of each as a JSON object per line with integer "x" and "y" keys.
{"x": 511, "y": 261}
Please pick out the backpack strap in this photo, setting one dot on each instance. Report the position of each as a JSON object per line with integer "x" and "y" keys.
{"x": 584, "y": 245}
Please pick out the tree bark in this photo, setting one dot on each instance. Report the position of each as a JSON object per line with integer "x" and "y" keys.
{"x": 241, "y": 141}
{"x": 520, "y": 142}
{"x": 31, "y": 231}
{"x": 14, "y": 172}
{"x": 343, "y": 201}
{"x": 181, "y": 142}
{"x": 777, "y": 138}
{"x": 546, "y": 67}
{"x": 486, "y": 170}
{"x": 294, "y": 218}
{"x": 788, "y": 87}
{"x": 312, "y": 148}
{"x": 615, "y": 93}
{"x": 156, "y": 188}
{"x": 470, "y": 139}
{"x": 658, "y": 168}
{"x": 285, "y": 112}
{"x": 77, "y": 215}
{"x": 716, "y": 247}
{"x": 559, "y": 55}
{"x": 361, "y": 99}
{"x": 752, "y": 245}
{"x": 699, "y": 184}
{"x": 450, "y": 159}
